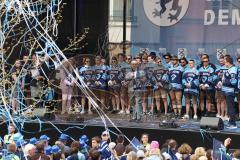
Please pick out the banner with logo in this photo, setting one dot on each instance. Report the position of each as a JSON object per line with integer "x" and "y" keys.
{"x": 192, "y": 26}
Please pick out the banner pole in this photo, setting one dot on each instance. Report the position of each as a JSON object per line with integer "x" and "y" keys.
{"x": 124, "y": 25}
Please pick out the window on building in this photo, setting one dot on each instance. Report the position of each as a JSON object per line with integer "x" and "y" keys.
{"x": 116, "y": 10}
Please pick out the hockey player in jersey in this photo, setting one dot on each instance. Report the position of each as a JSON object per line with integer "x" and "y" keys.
{"x": 203, "y": 56}
{"x": 190, "y": 83}
{"x": 184, "y": 63}
{"x": 161, "y": 82}
{"x": 100, "y": 80}
{"x": 219, "y": 97}
{"x": 238, "y": 86}
{"x": 124, "y": 97}
{"x": 86, "y": 72}
{"x": 175, "y": 78}
{"x": 206, "y": 73}
{"x": 114, "y": 84}
{"x": 148, "y": 68}
{"x": 229, "y": 84}
{"x": 168, "y": 63}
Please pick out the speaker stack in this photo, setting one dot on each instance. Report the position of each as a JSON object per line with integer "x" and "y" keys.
{"x": 213, "y": 123}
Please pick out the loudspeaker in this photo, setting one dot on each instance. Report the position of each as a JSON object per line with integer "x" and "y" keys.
{"x": 213, "y": 123}
{"x": 168, "y": 124}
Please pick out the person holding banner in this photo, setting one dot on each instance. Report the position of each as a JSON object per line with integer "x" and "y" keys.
{"x": 161, "y": 82}
{"x": 124, "y": 97}
{"x": 175, "y": 78}
{"x": 148, "y": 68}
{"x": 229, "y": 84}
{"x": 100, "y": 80}
{"x": 190, "y": 82}
{"x": 204, "y": 56}
{"x": 114, "y": 83}
{"x": 206, "y": 73}
{"x": 86, "y": 73}
{"x": 220, "y": 99}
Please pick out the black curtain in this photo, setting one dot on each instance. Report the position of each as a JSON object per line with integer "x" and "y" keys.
{"x": 66, "y": 27}
{"x": 93, "y": 14}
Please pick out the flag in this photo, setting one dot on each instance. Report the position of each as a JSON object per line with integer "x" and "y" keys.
{"x": 136, "y": 143}
{"x": 219, "y": 151}
{"x": 172, "y": 154}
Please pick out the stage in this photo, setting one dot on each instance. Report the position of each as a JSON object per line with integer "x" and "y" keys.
{"x": 186, "y": 130}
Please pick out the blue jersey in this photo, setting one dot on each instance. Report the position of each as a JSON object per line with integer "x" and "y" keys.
{"x": 123, "y": 64}
{"x": 185, "y": 67}
{"x": 206, "y": 76}
{"x": 238, "y": 78}
{"x": 114, "y": 76}
{"x": 218, "y": 74}
{"x": 210, "y": 64}
{"x": 167, "y": 65}
{"x": 101, "y": 76}
{"x": 86, "y": 74}
{"x": 125, "y": 68}
{"x": 229, "y": 81}
{"x": 191, "y": 76}
{"x": 104, "y": 151}
{"x": 138, "y": 84}
{"x": 148, "y": 68}
{"x": 175, "y": 77}
{"x": 160, "y": 75}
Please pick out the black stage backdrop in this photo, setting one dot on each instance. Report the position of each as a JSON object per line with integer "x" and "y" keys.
{"x": 80, "y": 14}
{"x": 93, "y": 14}
{"x": 77, "y": 15}
{"x": 66, "y": 27}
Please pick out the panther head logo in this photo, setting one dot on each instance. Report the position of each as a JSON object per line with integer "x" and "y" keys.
{"x": 165, "y": 12}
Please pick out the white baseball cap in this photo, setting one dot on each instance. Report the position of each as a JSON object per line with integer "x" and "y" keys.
{"x": 105, "y": 133}
{"x": 167, "y": 156}
{"x": 140, "y": 154}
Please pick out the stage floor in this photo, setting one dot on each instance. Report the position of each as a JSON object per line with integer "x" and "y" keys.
{"x": 148, "y": 122}
{"x": 187, "y": 131}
